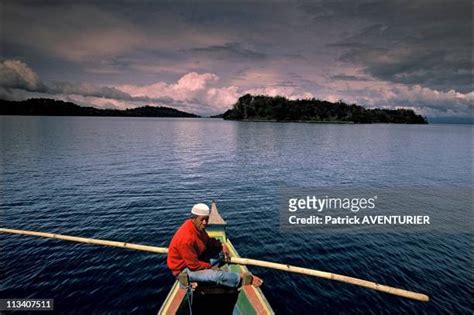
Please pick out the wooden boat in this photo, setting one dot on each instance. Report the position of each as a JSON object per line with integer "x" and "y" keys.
{"x": 212, "y": 299}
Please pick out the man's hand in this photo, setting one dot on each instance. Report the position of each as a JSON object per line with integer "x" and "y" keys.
{"x": 226, "y": 252}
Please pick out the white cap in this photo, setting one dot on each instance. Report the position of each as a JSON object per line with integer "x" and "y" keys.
{"x": 200, "y": 209}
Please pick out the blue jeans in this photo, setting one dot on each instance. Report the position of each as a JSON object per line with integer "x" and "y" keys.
{"x": 220, "y": 277}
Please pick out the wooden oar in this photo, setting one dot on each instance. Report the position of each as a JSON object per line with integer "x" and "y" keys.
{"x": 331, "y": 276}
{"x": 235, "y": 260}
{"x": 143, "y": 248}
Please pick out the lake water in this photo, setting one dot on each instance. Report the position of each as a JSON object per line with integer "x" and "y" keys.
{"x": 135, "y": 180}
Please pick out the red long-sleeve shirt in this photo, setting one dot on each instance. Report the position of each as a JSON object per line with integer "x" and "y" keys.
{"x": 187, "y": 248}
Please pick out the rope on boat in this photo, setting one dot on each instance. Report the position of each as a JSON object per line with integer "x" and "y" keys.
{"x": 183, "y": 280}
{"x": 189, "y": 293}
{"x": 237, "y": 260}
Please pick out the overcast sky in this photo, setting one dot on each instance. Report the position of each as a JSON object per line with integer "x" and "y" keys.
{"x": 200, "y": 56}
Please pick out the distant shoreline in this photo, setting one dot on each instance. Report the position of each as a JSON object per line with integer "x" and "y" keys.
{"x": 57, "y": 108}
{"x": 336, "y": 122}
{"x": 51, "y": 107}
{"x": 98, "y": 116}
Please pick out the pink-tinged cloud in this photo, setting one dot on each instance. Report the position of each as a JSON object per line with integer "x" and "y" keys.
{"x": 286, "y": 91}
{"x": 223, "y": 98}
{"x": 423, "y": 100}
{"x": 186, "y": 88}
{"x": 204, "y": 89}
{"x": 194, "y": 81}
{"x": 98, "y": 102}
{"x": 191, "y": 88}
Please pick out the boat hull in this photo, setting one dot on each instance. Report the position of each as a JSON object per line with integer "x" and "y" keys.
{"x": 248, "y": 300}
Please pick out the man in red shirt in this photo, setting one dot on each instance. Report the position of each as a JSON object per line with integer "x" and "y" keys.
{"x": 191, "y": 250}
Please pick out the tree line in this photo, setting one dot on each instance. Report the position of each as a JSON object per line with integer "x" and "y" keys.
{"x": 51, "y": 107}
{"x": 278, "y": 108}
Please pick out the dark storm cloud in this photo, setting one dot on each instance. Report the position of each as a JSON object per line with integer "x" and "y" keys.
{"x": 410, "y": 42}
{"x": 231, "y": 51}
{"x": 344, "y": 77}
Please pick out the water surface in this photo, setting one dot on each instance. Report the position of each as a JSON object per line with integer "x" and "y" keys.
{"x": 135, "y": 180}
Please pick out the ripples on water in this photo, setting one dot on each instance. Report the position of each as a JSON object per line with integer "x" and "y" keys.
{"x": 135, "y": 179}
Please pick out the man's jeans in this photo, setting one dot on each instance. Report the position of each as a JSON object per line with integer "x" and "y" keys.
{"x": 225, "y": 278}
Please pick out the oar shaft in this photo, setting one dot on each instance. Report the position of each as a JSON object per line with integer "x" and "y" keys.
{"x": 144, "y": 248}
{"x": 235, "y": 260}
{"x": 332, "y": 276}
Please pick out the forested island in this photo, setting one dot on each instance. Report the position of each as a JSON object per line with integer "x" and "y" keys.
{"x": 51, "y": 107}
{"x": 266, "y": 108}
